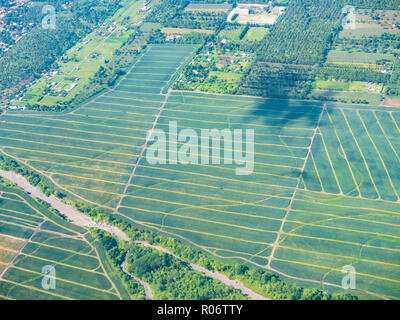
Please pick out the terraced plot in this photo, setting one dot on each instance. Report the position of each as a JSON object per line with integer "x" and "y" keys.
{"x": 32, "y": 238}
{"x": 89, "y": 153}
{"x": 356, "y": 153}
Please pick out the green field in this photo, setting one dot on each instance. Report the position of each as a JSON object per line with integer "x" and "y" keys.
{"x": 82, "y": 61}
{"x": 356, "y": 153}
{"x": 208, "y": 7}
{"x": 324, "y": 192}
{"x": 31, "y": 238}
{"x": 89, "y": 152}
{"x": 354, "y": 96}
{"x": 256, "y": 34}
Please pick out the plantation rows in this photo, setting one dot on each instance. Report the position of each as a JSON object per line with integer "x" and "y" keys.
{"x": 32, "y": 238}
{"x": 283, "y": 216}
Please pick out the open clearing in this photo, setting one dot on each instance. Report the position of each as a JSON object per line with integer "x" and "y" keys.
{"x": 324, "y": 192}
{"x": 31, "y": 238}
{"x": 208, "y": 7}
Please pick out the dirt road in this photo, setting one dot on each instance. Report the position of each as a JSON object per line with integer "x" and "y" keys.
{"x": 216, "y": 275}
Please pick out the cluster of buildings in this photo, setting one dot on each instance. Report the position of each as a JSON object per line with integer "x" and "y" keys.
{"x": 11, "y": 33}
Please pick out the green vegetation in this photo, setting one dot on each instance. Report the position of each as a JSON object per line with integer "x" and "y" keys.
{"x": 63, "y": 147}
{"x": 309, "y": 44}
{"x": 170, "y": 278}
{"x": 227, "y": 215}
{"x": 256, "y": 34}
{"x": 77, "y": 67}
{"x": 38, "y": 50}
{"x": 146, "y": 261}
{"x": 79, "y": 270}
{"x": 172, "y": 13}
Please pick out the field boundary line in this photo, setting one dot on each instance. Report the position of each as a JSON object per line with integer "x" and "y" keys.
{"x": 68, "y": 281}
{"x": 275, "y": 245}
{"x": 339, "y": 256}
{"x": 197, "y": 94}
{"x": 211, "y": 197}
{"x": 36, "y": 230}
{"x": 330, "y": 162}
{"x": 217, "y": 177}
{"x": 236, "y": 257}
{"x": 75, "y": 130}
{"x": 19, "y": 225}
{"x": 234, "y": 251}
{"x": 64, "y": 264}
{"x": 336, "y": 269}
{"x": 344, "y": 153}
{"x": 245, "y": 107}
{"x": 22, "y": 219}
{"x": 51, "y": 179}
{"x": 73, "y": 166}
{"x": 144, "y": 147}
{"x": 379, "y": 155}
{"x": 71, "y": 147}
{"x": 19, "y": 212}
{"x": 180, "y": 181}
{"x": 67, "y": 137}
{"x": 216, "y": 222}
{"x": 361, "y": 153}
{"x": 233, "y": 114}
{"x": 209, "y": 209}
{"x": 394, "y": 121}
{"x": 40, "y": 244}
{"x": 185, "y": 205}
{"x": 135, "y": 121}
{"x": 207, "y": 233}
{"x": 56, "y": 154}
{"x": 233, "y": 169}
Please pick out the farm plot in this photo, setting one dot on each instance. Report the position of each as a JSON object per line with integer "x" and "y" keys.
{"x": 324, "y": 233}
{"x": 27, "y": 247}
{"x": 357, "y": 58}
{"x": 263, "y": 218}
{"x": 356, "y": 153}
{"x": 235, "y": 215}
{"x": 89, "y": 152}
